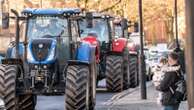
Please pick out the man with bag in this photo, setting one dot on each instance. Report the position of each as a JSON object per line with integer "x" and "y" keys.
{"x": 171, "y": 97}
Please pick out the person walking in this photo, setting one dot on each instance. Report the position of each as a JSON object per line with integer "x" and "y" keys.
{"x": 169, "y": 100}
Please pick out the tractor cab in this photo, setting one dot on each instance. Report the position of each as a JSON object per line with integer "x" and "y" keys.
{"x": 96, "y": 25}
{"x": 98, "y": 29}
{"x": 95, "y": 28}
{"x": 121, "y": 35}
{"x": 48, "y": 32}
{"x": 120, "y": 27}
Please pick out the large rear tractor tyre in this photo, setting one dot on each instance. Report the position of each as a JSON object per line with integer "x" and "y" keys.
{"x": 92, "y": 84}
{"x": 27, "y": 102}
{"x": 114, "y": 73}
{"x": 126, "y": 77}
{"x": 134, "y": 80}
{"x": 77, "y": 95}
{"x": 8, "y": 90}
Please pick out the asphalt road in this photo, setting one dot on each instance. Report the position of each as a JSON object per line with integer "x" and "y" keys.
{"x": 58, "y": 102}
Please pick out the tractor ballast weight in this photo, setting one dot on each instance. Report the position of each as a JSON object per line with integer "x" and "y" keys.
{"x": 46, "y": 61}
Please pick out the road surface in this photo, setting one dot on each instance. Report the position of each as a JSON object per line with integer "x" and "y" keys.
{"x": 57, "y": 102}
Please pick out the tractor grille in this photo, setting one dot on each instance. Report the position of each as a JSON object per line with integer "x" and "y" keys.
{"x": 41, "y": 54}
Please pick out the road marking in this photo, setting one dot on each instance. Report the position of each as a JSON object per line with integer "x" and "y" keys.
{"x": 120, "y": 95}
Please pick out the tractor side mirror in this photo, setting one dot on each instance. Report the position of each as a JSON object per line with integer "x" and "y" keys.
{"x": 89, "y": 19}
{"x": 136, "y": 27}
{"x": 5, "y": 20}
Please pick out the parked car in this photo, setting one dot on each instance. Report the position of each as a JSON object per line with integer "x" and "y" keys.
{"x": 152, "y": 60}
{"x": 150, "y": 64}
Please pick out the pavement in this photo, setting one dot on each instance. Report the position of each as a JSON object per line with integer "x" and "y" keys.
{"x": 130, "y": 100}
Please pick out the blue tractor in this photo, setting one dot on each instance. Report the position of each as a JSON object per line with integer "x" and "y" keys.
{"x": 47, "y": 59}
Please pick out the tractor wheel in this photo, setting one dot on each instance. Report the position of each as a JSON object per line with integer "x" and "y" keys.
{"x": 91, "y": 99}
{"x": 114, "y": 73}
{"x": 76, "y": 92}
{"x": 134, "y": 80}
{"x": 8, "y": 90}
{"x": 126, "y": 73}
{"x": 93, "y": 81}
{"x": 27, "y": 102}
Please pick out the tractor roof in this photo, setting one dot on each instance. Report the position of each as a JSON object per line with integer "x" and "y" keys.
{"x": 50, "y": 11}
{"x": 98, "y": 15}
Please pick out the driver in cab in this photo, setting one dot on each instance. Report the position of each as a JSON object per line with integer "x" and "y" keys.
{"x": 54, "y": 28}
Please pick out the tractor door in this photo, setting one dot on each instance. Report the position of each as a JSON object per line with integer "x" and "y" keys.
{"x": 63, "y": 47}
{"x": 74, "y": 37}
{"x": 66, "y": 46}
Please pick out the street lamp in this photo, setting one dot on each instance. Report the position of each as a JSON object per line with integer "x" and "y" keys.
{"x": 190, "y": 52}
{"x": 176, "y": 24}
{"x": 142, "y": 69}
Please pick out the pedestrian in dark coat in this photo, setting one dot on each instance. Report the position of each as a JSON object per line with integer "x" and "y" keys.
{"x": 167, "y": 86}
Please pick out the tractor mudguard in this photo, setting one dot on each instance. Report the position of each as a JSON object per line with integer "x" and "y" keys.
{"x": 9, "y": 51}
{"x": 119, "y": 44}
{"x": 93, "y": 41}
{"x": 75, "y": 62}
{"x": 12, "y": 61}
{"x": 12, "y": 49}
{"x": 84, "y": 52}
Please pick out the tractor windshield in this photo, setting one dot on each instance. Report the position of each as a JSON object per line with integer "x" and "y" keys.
{"x": 45, "y": 26}
{"x": 99, "y": 29}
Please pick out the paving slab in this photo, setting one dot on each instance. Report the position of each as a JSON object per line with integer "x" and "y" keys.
{"x": 130, "y": 100}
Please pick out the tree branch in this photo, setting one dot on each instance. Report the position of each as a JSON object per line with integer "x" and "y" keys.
{"x": 86, "y": 4}
{"x": 111, "y": 7}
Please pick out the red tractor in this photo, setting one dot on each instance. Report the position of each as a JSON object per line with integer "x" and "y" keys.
{"x": 122, "y": 59}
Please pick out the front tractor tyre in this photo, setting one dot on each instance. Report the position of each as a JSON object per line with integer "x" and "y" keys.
{"x": 8, "y": 90}
{"x": 77, "y": 88}
{"x": 114, "y": 73}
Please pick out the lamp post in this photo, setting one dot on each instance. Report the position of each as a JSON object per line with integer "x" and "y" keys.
{"x": 142, "y": 69}
{"x": 176, "y": 23}
{"x": 190, "y": 51}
